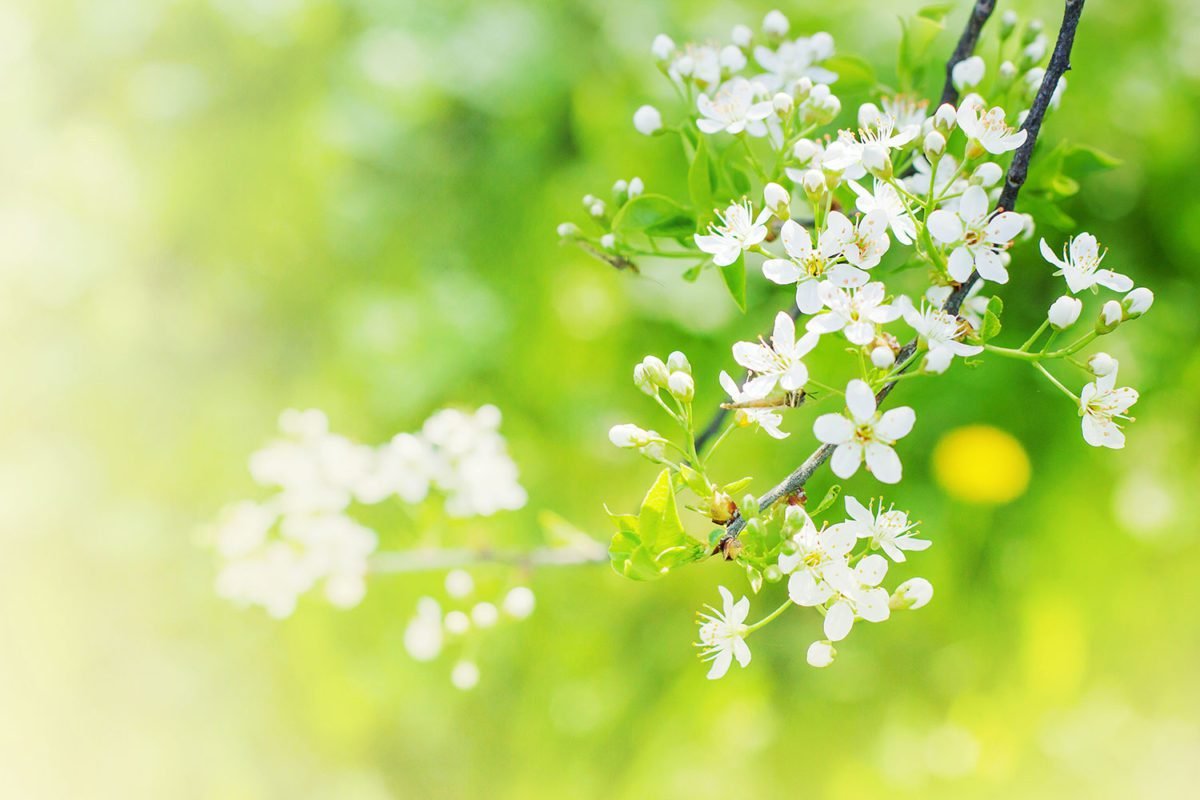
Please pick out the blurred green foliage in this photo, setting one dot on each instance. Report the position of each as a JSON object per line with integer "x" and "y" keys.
{"x": 216, "y": 209}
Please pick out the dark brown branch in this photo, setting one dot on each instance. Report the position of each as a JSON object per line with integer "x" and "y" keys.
{"x": 1060, "y": 62}
{"x": 966, "y": 45}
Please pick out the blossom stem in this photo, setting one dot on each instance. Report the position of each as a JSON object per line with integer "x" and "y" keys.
{"x": 769, "y": 617}
{"x": 758, "y": 167}
{"x": 712, "y": 448}
{"x": 1041, "y": 329}
{"x": 1056, "y": 382}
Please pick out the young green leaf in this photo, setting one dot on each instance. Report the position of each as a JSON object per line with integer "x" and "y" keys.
{"x": 734, "y": 276}
{"x": 654, "y": 215}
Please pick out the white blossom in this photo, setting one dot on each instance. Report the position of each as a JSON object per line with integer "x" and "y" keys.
{"x": 647, "y": 120}
{"x": 733, "y": 109}
{"x": 989, "y": 128}
{"x": 889, "y": 531}
{"x": 968, "y": 73}
{"x": 807, "y": 266}
{"x": 855, "y": 312}
{"x": 794, "y": 60}
{"x": 1080, "y": 265}
{"x": 663, "y": 47}
{"x": 814, "y": 552}
{"x": 736, "y": 231}
{"x": 778, "y": 364}
{"x": 723, "y": 634}
{"x": 1100, "y": 405}
{"x": 886, "y": 200}
{"x": 1138, "y": 302}
{"x": 1064, "y": 312}
{"x": 765, "y": 416}
{"x": 977, "y": 236}
{"x": 864, "y": 434}
{"x": 860, "y": 596}
{"x": 939, "y": 331}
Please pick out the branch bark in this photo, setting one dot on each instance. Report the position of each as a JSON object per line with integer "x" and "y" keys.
{"x": 1060, "y": 62}
{"x": 966, "y": 45}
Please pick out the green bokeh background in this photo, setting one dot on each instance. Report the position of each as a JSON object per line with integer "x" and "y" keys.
{"x": 214, "y": 210}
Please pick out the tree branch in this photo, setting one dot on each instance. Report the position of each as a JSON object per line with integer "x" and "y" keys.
{"x": 1060, "y": 62}
{"x": 966, "y": 45}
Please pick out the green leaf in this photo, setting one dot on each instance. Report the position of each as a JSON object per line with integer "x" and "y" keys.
{"x": 700, "y": 186}
{"x": 734, "y": 276}
{"x": 854, "y": 74}
{"x": 917, "y": 33}
{"x": 654, "y": 215}
{"x": 991, "y": 319}
{"x": 658, "y": 519}
{"x": 828, "y": 500}
{"x": 693, "y": 273}
{"x": 735, "y": 488}
{"x": 1081, "y": 160}
{"x": 694, "y": 481}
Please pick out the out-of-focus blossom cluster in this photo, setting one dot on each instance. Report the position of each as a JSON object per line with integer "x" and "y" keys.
{"x": 303, "y": 535}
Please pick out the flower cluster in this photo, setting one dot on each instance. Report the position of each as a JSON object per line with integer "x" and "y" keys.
{"x": 845, "y": 215}
{"x": 303, "y": 535}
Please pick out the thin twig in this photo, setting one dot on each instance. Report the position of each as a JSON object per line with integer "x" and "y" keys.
{"x": 1060, "y": 62}
{"x": 966, "y": 45}
{"x": 427, "y": 560}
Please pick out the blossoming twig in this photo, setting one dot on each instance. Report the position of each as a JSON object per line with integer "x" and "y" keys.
{"x": 1059, "y": 63}
{"x": 966, "y": 45}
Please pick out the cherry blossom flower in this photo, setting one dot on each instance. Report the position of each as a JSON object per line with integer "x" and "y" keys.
{"x": 793, "y": 60}
{"x": 806, "y": 265}
{"x": 815, "y": 551}
{"x": 1080, "y": 265}
{"x": 978, "y": 236}
{"x": 865, "y": 435}
{"x": 989, "y": 128}
{"x": 886, "y": 200}
{"x": 854, "y": 155}
{"x": 778, "y": 364}
{"x": 906, "y": 109}
{"x": 765, "y": 415}
{"x": 860, "y": 596}
{"x": 1100, "y": 405}
{"x": 734, "y": 109}
{"x": 855, "y": 312}
{"x": 973, "y": 307}
{"x": 737, "y": 231}
{"x": 889, "y": 531}
{"x": 723, "y": 635}
{"x": 939, "y": 331}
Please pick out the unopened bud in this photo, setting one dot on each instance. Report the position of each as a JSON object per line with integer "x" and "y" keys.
{"x": 597, "y": 209}
{"x": 636, "y": 187}
{"x": 663, "y": 47}
{"x": 805, "y": 151}
{"x": 934, "y": 145}
{"x": 1138, "y": 302}
{"x": 682, "y": 386}
{"x": 642, "y": 380}
{"x": 777, "y": 200}
{"x": 775, "y": 24}
{"x": 1008, "y": 71}
{"x": 1032, "y": 31}
{"x": 802, "y": 89}
{"x": 968, "y": 73}
{"x": 987, "y": 174}
{"x": 914, "y": 593}
{"x": 647, "y": 120}
{"x": 883, "y": 357}
{"x": 742, "y": 36}
{"x": 568, "y": 230}
{"x": 1102, "y": 364}
{"x": 628, "y": 435}
{"x": 945, "y": 119}
{"x": 1110, "y": 316}
{"x": 685, "y": 66}
{"x": 782, "y": 103}
{"x": 814, "y": 184}
{"x": 820, "y": 654}
{"x": 1008, "y": 23}
{"x": 877, "y": 161}
{"x": 656, "y": 370}
{"x": 608, "y": 241}
{"x": 1064, "y": 312}
{"x": 678, "y": 362}
{"x": 868, "y": 115}
{"x": 721, "y": 508}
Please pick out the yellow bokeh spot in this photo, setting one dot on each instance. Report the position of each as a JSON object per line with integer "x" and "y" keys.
{"x": 981, "y": 464}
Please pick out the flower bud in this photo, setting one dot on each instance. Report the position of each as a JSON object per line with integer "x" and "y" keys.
{"x": 721, "y": 507}
{"x": 805, "y": 151}
{"x": 814, "y": 184}
{"x": 773, "y": 574}
{"x": 685, "y": 66}
{"x": 914, "y": 593}
{"x": 1008, "y": 23}
{"x": 968, "y": 73}
{"x": 877, "y": 161}
{"x": 597, "y": 209}
{"x": 934, "y": 145}
{"x": 1064, "y": 312}
{"x": 656, "y": 370}
{"x": 1034, "y": 52}
{"x": 883, "y": 357}
{"x": 636, "y": 187}
{"x": 642, "y": 380}
{"x": 732, "y": 58}
{"x": 820, "y": 654}
{"x": 1102, "y": 364}
{"x": 678, "y": 362}
{"x": 987, "y": 174}
{"x": 1032, "y": 31}
{"x": 1008, "y": 71}
{"x": 620, "y": 187}
{"x": 802, "y": 88}
{"x": 777, "y": 199}
{"x": 1138, "y": 302}
{"x": 663, "y": 47}
{"x": 945, "y": 119}
{"x": 742, "y": 36}
{"x": 608, "y": 241}
{"x": 628, "y": 436}
{"x": 568, "y": 230}
{"x": 647, "y": 120}
{"x": 775, "y": 24}
{"x": 1110, "y": 316}
{"x": 782, "y": 103}
{"x": 868, "y": 115}
{"x": 682, "y": 386}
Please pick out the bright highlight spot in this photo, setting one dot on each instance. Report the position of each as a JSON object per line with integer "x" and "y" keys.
{"x": 981, "y": 464}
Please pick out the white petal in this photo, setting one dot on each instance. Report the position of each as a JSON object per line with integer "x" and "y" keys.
{"x": 883, "y": 462}
{"x": 846, "y": 459}
{"x": 895, "y": 423}
{"x": 961, "y": 264}
{"x": 860, "y": 400}
{"x": 838, "y": 621}
{"x": 720, "y": 665}
{"x": 858, "y": 512}
{"x": 781, "y": 271}
{"x": 796, "y": 240}
{"x": 784, "y": 335}
{"x": 945, "y": 226}
{"x": 808, "y": 299}
{"x": 873, "y": 605}
{"x": 973, "y": 205}
{"x": 872, "y": 570}
{"x": 990, "y": 266}
{"x": 833, "y": 429}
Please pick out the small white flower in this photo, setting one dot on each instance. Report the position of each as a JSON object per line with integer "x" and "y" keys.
{"x": 766, "y": 417}
{"x": 733, "y": 109}
{"x": 978, "y": 237}
{"x": 647, "y": 120}
{"x": 737, "y": 231}
{"x": 1080, "y": 265}
{"x": 780, "y": 363}
{"x": 820, "y": 654}
{"x": 1102, "y": 364}
{"x": 973, "y": 307}
{"x": 865, "y": 435}
{"x": 914, "y": 593}
{"x": 850, "y": 155}
{"x": 1138, "y": 301}
{"x": 1100, "y": 405}
{"x": 815, "y": 552}
{"x": 968, "y": 73}
{"x": 905, "y": 109}
{"x": 855, "y": 312}
{"x": 889, "y": 531}
{"x": 663, "y": 47}
{"x": 940, "y": 332}
{"x": 886, "y": 200}
{"x": 1064, "y": 312}
{"x": 519, "y": 602}
{"x": 741, "y": 35}
{"x": 806, "y": 265}
{"x": 861, "y": 596}
{"x": 775, "y": 23}
{"x": 990, "y": 129}
{"x": 777, "y": 199}
{"x": 1111, "y": 314}
{"x": 723, "y": 634}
